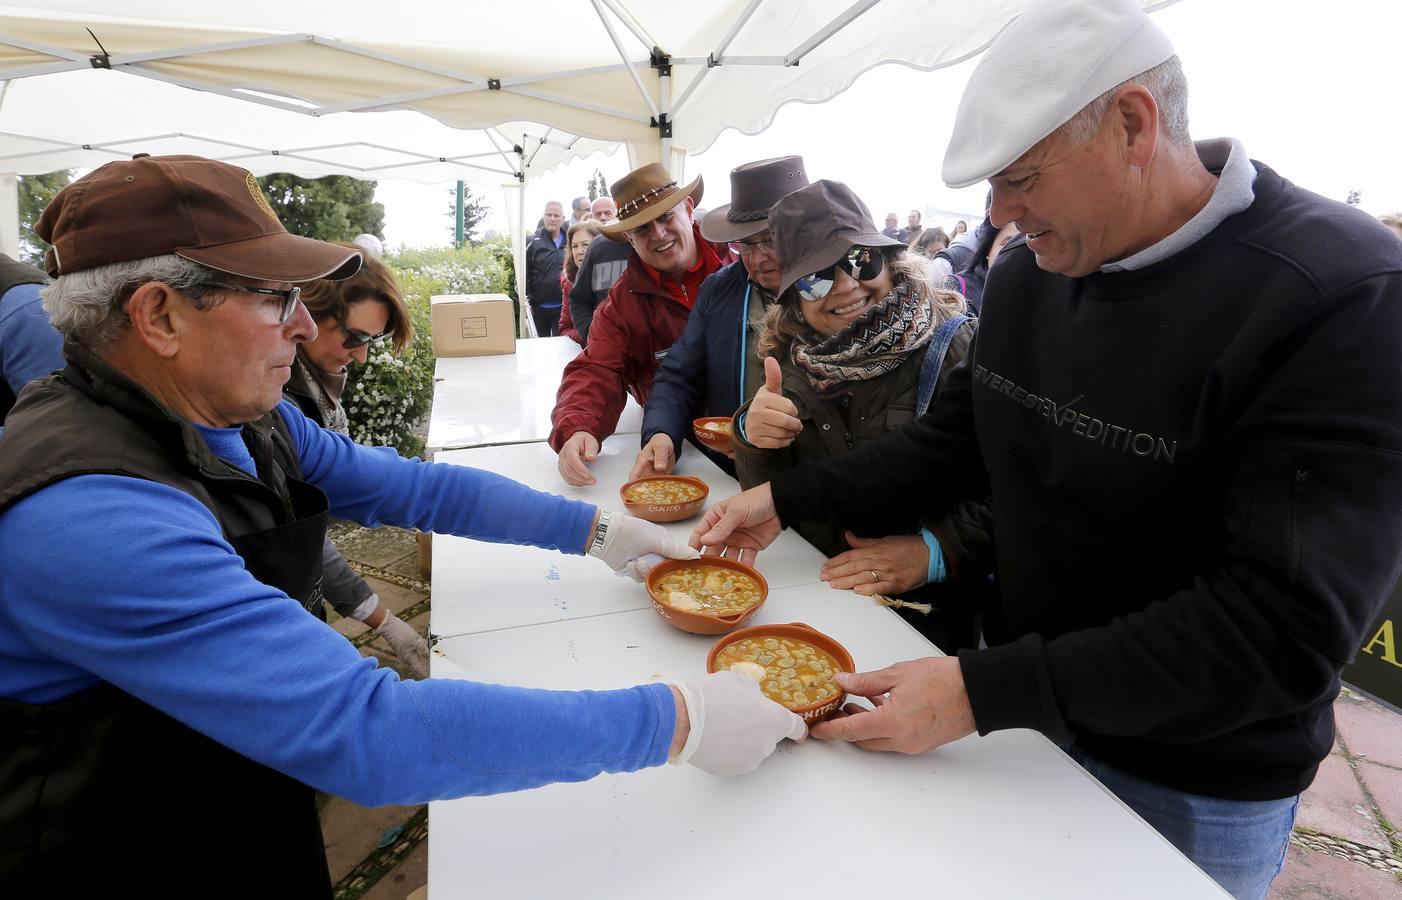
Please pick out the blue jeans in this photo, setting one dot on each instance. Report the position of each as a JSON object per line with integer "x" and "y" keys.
{"x": 1239, "y": 843}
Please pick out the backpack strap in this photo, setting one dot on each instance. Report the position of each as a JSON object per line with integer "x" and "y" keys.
{"x": 934, "y": 359}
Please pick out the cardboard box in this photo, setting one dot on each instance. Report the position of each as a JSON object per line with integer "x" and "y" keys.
{"x": 473, "y": 324}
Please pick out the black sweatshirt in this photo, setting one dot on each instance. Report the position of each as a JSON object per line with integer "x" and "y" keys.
{"x": 1196, "y": 469}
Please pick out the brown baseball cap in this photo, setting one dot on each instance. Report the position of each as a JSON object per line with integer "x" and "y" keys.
{"x": 205, "y": 211}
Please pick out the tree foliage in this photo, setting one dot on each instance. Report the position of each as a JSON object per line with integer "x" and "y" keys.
{"x": 334, "y": 208}
{"x": 35, "y": 192}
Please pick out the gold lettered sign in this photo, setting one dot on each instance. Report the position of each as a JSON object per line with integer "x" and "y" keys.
{"x": 1378, "y": 668}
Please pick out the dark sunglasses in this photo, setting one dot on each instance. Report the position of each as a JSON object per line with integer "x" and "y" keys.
{"x": 861, "y": 263}
{"x": 355, "y": 339}
{"x": 289, "y": 296}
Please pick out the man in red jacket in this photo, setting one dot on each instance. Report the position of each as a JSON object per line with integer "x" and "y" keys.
{"x": 642, "y": 317}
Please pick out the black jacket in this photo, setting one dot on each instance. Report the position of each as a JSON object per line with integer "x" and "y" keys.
{"x": 1196, "y": 471}
{"x": 543, "y": 263}
{"x": 603, "y": 265}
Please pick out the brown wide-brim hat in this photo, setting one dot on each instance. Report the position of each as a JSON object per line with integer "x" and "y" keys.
{"x": 644, "y": 194}
{"x": 205, "y": 211}
{"x": 815, "y": 226}
{"x": 754, "y": 187}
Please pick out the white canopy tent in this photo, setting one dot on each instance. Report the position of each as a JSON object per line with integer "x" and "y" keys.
{"x": 441, "y": 89}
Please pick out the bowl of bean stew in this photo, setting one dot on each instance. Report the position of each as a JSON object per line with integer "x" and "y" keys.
{"x": 794, "y": 664}
{"x": 664, "y": 498}
{"x": 710, "y": 595}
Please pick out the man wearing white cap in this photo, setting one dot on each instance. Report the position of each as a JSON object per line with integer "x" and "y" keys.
{"x": 1188, "y": 411}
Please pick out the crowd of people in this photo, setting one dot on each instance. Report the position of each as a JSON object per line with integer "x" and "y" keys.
{"x": 1137, "y": 435}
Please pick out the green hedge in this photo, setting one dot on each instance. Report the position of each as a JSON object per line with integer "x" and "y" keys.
{"x": 388, "y": 398}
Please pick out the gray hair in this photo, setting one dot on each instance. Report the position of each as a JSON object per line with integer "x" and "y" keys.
{"x": 1164, "y": 82}
{"x": 89, "y": 306}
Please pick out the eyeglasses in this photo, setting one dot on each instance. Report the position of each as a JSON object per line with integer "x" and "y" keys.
{"x": 862, "y": 263}
{"x": 642, "y": 230}
{"x": 289, "y": 296}
{"x": 747, "y": 248}
{"x": 355, "y": 339}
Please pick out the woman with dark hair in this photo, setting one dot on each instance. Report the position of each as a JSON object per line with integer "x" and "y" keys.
{"x": 577, "y": 241}
{"x": 857, "y": 344}
{"x": 350, "y": 315}
{"x": 930, "y": 242}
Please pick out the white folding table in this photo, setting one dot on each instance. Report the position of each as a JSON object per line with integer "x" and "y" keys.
{"x": 483, "y": 400}
{"x": 1004, "y": 816}
{"x": 483, "y": 587}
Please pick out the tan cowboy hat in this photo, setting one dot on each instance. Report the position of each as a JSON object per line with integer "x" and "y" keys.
{"x": 644, "y": 194}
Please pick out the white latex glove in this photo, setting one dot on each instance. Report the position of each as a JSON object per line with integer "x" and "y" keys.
{"x": 629, "y": 537}
{"x": 734, "y": 727}
{"x": 408, "y": 647}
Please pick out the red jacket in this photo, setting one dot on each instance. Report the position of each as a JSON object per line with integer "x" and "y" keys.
{"x": 566, "y": 327}
{"x": 633, "y": 329}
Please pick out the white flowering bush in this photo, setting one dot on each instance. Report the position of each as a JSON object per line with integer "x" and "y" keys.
{"x": 388, "y": 398}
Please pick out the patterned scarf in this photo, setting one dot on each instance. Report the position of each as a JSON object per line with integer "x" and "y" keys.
{"x": 325, "y": 388}
{"x": 877, "y": 343}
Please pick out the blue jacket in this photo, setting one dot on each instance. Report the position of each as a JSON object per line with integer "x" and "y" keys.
{"x": 701, "y": 374}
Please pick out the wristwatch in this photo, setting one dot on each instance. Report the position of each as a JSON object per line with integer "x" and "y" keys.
{"x": 601, "y": 530}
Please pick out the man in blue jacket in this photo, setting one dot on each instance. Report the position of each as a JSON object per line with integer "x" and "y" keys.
{"x": 714, "y": 366}
{"x": 163, "y": 669}
{"x": 29, "y": 347}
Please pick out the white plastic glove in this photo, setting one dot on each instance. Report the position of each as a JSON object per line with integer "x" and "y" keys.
{"x": 628, "y": 538}
{"x": 408, "y": 647}
{"x": 734, "y": 727}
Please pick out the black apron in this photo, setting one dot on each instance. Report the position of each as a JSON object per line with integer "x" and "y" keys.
{"x": 109, "y": 795}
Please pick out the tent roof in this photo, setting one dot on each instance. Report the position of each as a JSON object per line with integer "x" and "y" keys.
{"x": 279, "y": 81}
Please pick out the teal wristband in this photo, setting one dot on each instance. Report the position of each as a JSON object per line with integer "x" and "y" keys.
{"x": 935, "y": 573}
{"x": 743, "y": 416}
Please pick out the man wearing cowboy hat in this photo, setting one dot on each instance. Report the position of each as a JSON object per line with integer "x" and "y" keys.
{"x": 710, "y": 371}
{"x": 1189, "y": 413}
{"x": 642, "y": 317}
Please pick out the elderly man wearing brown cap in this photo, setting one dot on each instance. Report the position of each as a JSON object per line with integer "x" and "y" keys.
{"x": 644, "y": 314}
{"x": 1188, "y": 410}
{"x": 163, "y": 668}
{"x": 715, "y": 365}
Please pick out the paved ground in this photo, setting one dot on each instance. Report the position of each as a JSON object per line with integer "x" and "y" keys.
{"x": 1347, "y": 843}
{"x": 379, "y": 854}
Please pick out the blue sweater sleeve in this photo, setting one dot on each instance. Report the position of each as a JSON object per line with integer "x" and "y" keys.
{"x": 29, "y": 345}
{"x": 164, "y": 609}
{"x": 375, "y": 485}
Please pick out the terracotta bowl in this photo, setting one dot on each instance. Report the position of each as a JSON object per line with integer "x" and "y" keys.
{"x": 700, "y": 622}
{"x": 813, "y": 712}
{"x": 665, "y": 512}
{"x": 719, "y": 441}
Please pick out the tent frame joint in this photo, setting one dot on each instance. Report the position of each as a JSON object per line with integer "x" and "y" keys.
{"x": 100, "y": 61}
{"x": 493, "y": 84}
{"x": 660, "y": 61}
{"x": 663, "y": 123}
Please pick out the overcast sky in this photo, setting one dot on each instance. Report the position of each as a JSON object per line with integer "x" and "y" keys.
{"x": 1311, "y": 89}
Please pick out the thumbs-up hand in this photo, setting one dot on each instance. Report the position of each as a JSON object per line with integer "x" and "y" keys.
{"x": 772, "y": 421}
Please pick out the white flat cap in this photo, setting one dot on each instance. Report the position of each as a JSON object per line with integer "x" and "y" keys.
{"x": 1041, "y": 70}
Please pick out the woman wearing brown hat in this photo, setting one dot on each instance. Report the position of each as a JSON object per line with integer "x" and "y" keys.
{"x": 857, "y": 345}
